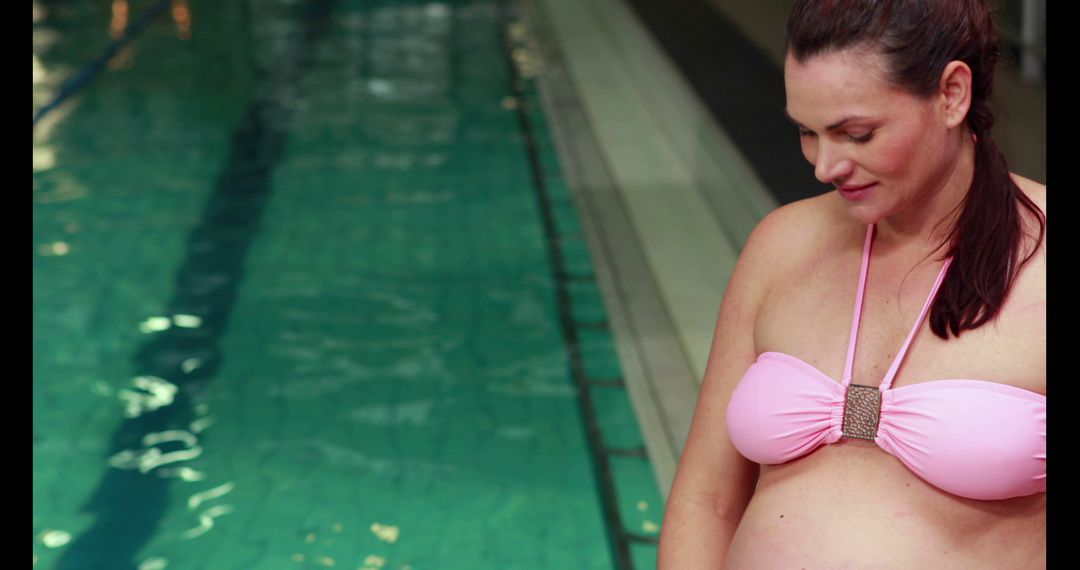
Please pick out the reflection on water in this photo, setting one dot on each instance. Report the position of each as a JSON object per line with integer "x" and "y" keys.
{"x": 181, "y": 15}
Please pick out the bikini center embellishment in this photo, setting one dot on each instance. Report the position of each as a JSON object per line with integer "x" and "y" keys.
{"x": 862, "y": 409}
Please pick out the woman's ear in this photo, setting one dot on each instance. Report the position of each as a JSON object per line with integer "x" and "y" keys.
{"x": 955, "y": 91}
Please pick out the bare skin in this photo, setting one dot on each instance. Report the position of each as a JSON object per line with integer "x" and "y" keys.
{"x": 851, "y": 504}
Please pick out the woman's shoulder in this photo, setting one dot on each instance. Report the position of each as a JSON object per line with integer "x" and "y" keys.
{"x": 1035, "y": 192}
{"x": 797, "y": 231}
{"x": 803, "y": 226}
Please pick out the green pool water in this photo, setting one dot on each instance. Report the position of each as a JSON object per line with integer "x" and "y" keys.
{"x": 310, "y": 292}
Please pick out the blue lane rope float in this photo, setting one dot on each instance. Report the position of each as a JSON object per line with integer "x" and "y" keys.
{"x": 88, "y": 71}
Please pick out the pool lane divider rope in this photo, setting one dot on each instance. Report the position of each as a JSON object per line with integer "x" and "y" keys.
{"x": 87, "y": 72}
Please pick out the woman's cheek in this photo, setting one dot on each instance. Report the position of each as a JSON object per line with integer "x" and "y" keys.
{"x": 895, "y": 158}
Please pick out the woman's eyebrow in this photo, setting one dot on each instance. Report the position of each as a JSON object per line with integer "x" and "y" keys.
{"x": 831, "y": 127}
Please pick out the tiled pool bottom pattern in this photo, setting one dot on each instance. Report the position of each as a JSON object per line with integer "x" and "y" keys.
{"x": 336, "y": 256}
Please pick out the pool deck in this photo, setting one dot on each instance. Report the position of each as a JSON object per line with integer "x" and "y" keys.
{"x": 666, "y": 199}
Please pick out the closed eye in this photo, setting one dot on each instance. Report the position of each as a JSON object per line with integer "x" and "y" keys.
{"x": 861, "y": 138}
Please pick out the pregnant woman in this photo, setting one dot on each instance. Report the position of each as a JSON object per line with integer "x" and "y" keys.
{"x": 875, "y": 395}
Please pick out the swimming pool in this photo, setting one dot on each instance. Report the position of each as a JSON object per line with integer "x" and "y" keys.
{"x": 310, "y": 291}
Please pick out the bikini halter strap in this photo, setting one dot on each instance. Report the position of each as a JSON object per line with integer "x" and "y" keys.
{"x": 859, "y": 298}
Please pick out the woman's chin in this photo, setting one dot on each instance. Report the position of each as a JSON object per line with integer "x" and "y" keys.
{"x": 863, "y": 213}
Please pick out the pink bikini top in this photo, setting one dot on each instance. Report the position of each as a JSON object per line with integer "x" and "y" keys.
{"x": 972, "y": 438}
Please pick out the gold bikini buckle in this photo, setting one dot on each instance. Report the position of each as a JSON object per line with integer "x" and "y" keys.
{"x": 862, "y": 408}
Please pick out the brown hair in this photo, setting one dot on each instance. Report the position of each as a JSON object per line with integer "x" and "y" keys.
{"x": 918, "y": 39}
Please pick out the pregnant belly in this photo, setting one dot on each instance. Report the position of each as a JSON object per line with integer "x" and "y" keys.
{"x": 851, "y": 505}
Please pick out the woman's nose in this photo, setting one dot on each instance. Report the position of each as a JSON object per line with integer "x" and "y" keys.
{"x": 832, "y": 166}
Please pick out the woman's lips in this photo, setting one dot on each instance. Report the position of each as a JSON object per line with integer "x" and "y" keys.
{"x": 856, "y": 192}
